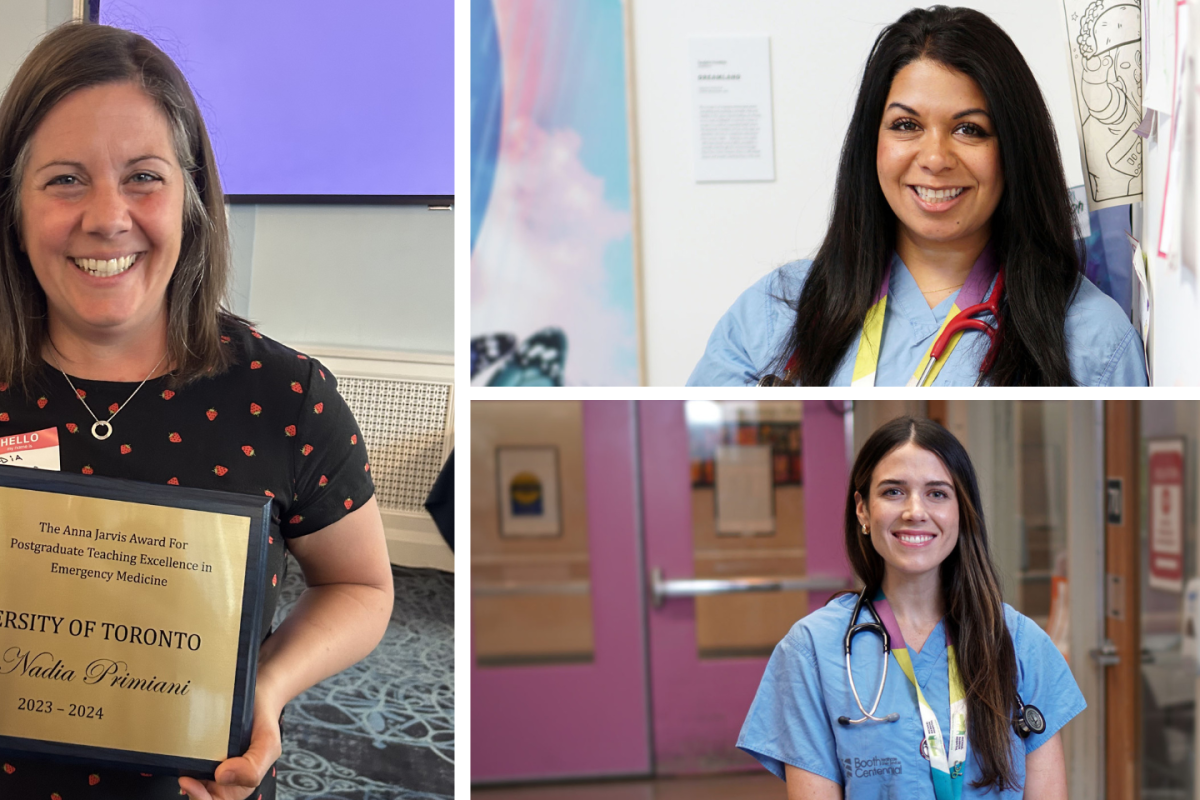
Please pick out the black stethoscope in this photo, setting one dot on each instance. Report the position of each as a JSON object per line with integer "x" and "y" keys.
{"x": 1027, "y": 721}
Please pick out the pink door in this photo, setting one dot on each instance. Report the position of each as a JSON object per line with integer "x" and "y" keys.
{"x": 550, "y": 721}
{"x": 700, "y": 702}
{"x": 584, "y": 719}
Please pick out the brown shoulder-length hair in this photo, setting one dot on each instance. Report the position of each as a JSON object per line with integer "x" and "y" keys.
{"x": 970, "y": 592}
{"x": 80, "y": 55}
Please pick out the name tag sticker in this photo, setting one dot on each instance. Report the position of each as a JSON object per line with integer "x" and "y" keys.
{"x": 37, "y": 450}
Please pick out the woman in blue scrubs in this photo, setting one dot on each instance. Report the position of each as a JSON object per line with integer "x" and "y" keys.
{"x": 916, "y": 538}
{"x": 949, "y": 173}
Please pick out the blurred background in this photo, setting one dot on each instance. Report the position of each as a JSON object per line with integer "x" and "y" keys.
{"x": 634, "y": 563}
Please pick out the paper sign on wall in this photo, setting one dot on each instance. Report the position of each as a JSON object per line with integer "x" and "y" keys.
{"x": 745, "y": 501}
{"x": 732, "y": 127}
{"x": 1166, "y": 514}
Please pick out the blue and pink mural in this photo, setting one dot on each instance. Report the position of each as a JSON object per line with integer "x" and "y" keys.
{"x": 552, "y": 251}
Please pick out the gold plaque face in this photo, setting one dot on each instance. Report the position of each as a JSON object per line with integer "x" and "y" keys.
{"x": 119, "y": 623}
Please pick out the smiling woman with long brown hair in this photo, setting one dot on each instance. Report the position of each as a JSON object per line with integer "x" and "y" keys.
{"x": 949, "y": 193}
{"x": 976, "y": 693}
{"x": 114, "y": 259}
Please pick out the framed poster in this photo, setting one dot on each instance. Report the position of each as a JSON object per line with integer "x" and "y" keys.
{"x": 1165, "y": 491}
{"x": 529, "y": 492}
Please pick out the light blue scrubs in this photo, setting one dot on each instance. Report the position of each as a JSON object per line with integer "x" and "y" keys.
{"x": 1102, "y": 345}
{"x": 793, "y": 719}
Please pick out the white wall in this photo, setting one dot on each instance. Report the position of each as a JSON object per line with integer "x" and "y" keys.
{"x": 22, "y": 22}
{"x": 350, "y": 276}
{"x": 703, "y": 244}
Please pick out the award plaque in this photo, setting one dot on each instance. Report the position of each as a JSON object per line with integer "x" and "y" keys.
{"x": 130, "y": 620}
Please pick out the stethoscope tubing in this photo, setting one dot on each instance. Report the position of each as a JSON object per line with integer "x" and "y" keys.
{"x": 866, "y": 627}
{"x": 1023, "y": 725}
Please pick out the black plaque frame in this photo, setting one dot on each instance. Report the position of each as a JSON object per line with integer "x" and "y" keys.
{"x": 250, "y": 634}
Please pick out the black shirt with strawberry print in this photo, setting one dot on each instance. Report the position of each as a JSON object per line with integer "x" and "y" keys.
{"x": 273, "y": 424}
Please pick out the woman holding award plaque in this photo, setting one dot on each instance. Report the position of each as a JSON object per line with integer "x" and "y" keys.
{"x": 114, "y": 263}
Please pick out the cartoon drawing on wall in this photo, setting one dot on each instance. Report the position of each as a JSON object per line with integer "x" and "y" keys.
{"x": 1105, "y": 42}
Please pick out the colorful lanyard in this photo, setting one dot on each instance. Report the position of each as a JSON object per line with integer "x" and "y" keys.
{"x": 945, "y": 767}
{"x": 866, "y": 362}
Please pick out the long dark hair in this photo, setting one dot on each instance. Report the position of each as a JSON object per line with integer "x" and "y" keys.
{"x": 970, "y": 593}
{"x": 80, "y": 55}
{"x": 1033, "y": 227}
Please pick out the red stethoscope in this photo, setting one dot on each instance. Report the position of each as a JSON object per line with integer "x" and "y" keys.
{"x": 964, "y": 321}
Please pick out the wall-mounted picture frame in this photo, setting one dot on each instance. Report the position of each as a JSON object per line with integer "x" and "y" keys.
{"x": 528, "y": 492}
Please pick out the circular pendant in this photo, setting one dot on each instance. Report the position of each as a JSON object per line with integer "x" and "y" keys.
{"x": 100, "y": 423}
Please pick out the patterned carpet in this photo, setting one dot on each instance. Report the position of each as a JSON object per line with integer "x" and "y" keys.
{"x": 383, "y": 729}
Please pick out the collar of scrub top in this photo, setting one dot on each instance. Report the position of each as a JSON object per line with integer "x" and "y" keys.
{"x": 968, "y": 302}
{"x": 905, "y": 295}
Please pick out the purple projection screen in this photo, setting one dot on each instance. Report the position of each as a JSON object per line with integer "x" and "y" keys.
{"x": 308, "y": 98}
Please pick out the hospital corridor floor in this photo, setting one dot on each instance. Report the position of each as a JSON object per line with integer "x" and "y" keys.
{"x": 751, "y": 786}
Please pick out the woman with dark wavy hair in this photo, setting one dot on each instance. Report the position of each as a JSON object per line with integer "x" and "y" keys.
{"x": 949, "y": 181}
{"x": 976, "y": 693}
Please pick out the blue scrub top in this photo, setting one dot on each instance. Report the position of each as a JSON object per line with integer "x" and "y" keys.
{"x": 1102, "y": 345}
{"x": 793, "y": 719}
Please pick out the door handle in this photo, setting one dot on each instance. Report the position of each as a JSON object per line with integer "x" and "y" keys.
{"x": 1106, "y": 654}
{"x": 661, "y": 589}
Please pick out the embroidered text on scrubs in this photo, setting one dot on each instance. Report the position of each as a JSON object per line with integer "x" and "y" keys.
{"x": 871, "y": 767}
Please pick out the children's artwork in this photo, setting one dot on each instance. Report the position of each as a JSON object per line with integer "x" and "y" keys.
{"x": 552, "y": 262}
{"x": 1105, "y": 42}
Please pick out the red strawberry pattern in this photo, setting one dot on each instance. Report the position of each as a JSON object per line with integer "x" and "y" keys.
{"x": 255, "y": 409}
{"x": 42, "y": 402}
{"x": 114, "y": 408}
{"x": 3, "y": 387}
{"x": 186, "y": 442}
{"x": 81, "y": 394}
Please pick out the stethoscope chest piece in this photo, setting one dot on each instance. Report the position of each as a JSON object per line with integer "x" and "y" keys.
{"x": 1029, "y": 721}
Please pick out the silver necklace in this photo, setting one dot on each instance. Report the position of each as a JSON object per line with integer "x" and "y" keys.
{"x": 106, "y": 424}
